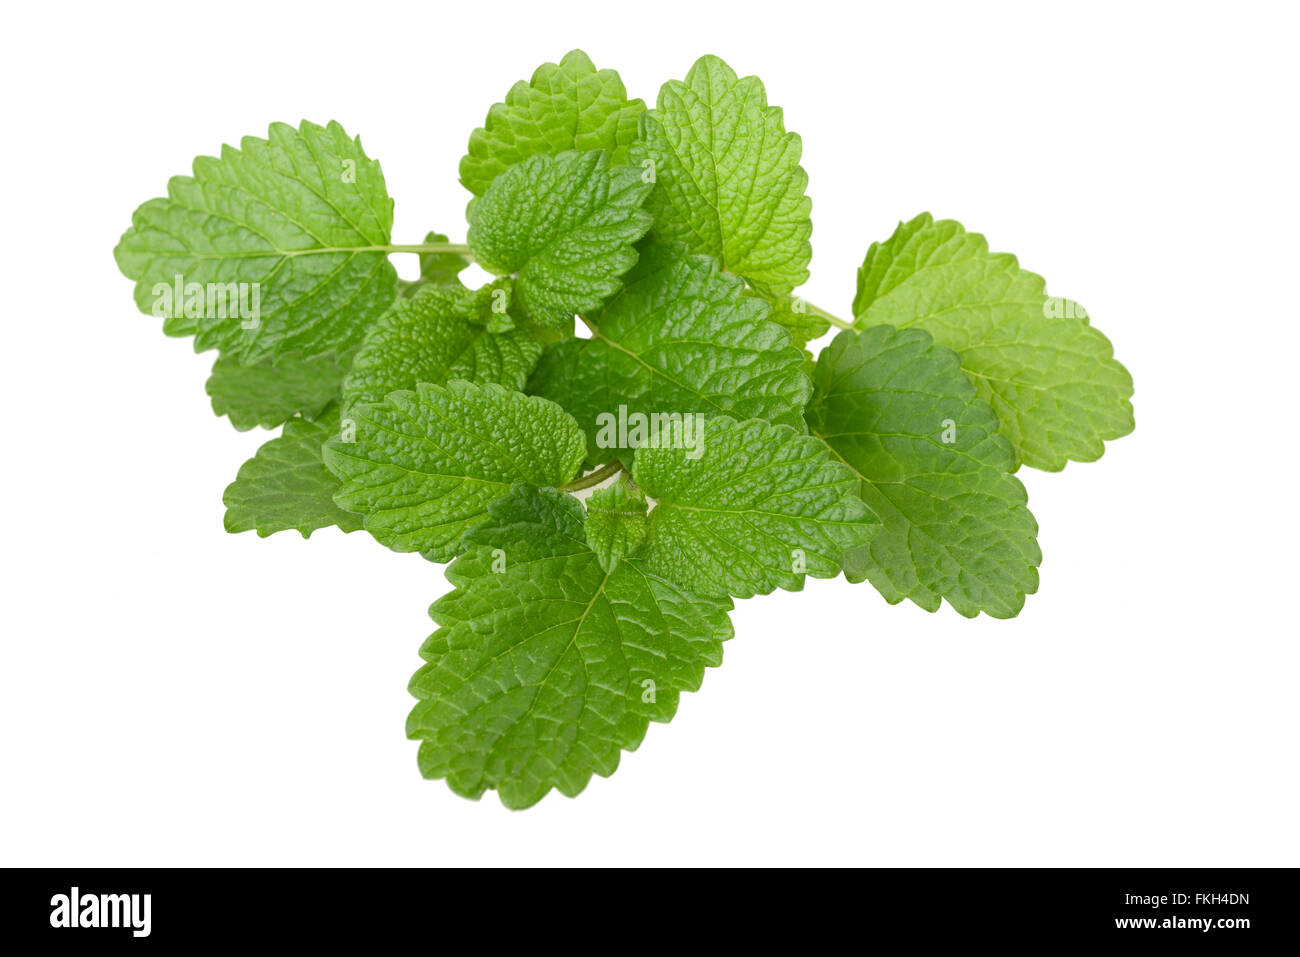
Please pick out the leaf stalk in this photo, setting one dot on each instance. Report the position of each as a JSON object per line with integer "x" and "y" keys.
{"x": 830, "y": 317}
{"x": 593, "y": 478}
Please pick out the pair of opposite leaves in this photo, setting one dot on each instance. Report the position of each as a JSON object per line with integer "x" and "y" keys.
{"x": 952, "y": 517}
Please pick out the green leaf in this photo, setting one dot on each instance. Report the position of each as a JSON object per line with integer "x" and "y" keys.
{"x": 268, "y": 394}
{"x": 300, "y": 219}
{"x": 896, "y": 408}
{"x": 1050, "y": 376}
{"x": 436, "y": 268}
{"x": 286, "y": 484}
{"x": 491, "y": 307}
{"x": 792, "y": 314}
{"x": 747, "y": 508}
{"x": 679, "y": 338}
{"x": 545, "y": 667}
{"x": 437, "y": 335}
{"x": 729, "y": 179}
{"x": 569, "y": 106}
{"x": 423, "y": 466}
{"x": 566, "y": 225}
{"x": 616, "y": 523}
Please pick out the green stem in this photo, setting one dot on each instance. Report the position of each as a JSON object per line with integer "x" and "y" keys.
{"x": 830, "y": 317}
{"x": 593, "y": 478}
{"x": 454, "y": 248}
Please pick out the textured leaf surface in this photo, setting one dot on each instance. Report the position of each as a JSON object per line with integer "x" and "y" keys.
{"x": 299, "y": 214}
{"x": 566, "y": 225}
{"x": 540, "y": 674}
{"x": 896, "y": 408}
{"x": 567, "y": 106}
{"x": 424, "y": 465}
{"x": 1051, "y": 377}
{"x": 436, "y": 268}
{"x": 758, "y": 507}
{"x": 616, "y": 523}
{"x": 438, "y": 334}
{"x": 286, "y": 484}
{"x": 679, "y": 338}
{"x": 729, "y": 179}
{"x": 792, "y": 315}
{"x": 269, "y": 394}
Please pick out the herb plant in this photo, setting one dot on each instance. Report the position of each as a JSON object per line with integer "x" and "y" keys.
{"x": 458, "y": 423}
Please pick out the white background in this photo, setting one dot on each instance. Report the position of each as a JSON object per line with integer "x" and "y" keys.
{"x": 172, "y": 694}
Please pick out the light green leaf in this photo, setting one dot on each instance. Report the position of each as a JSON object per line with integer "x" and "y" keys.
{"x": 566, "y": 226}
{"x": 1050, "y": 376}
{"x": 750, "y": 507}
{"x": 895, "y": 407}
{"x": 423, "y": 466}
{"x": 792, "y": 314}
{"x": 491, "y": 306}
{"x": 286, "y": 484}
{"x": 438, "y": 334}
{"x": 616, "y": 523}
{"x": 436, "y": 268}
{"x": 679, "y": 338}
{"x": 300, "y": 219}
{"x": 569, "y": 106}
{"x": 729, "y": 179}
{"x": 268, "y": 394}
{"x": 545, "y": 667}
